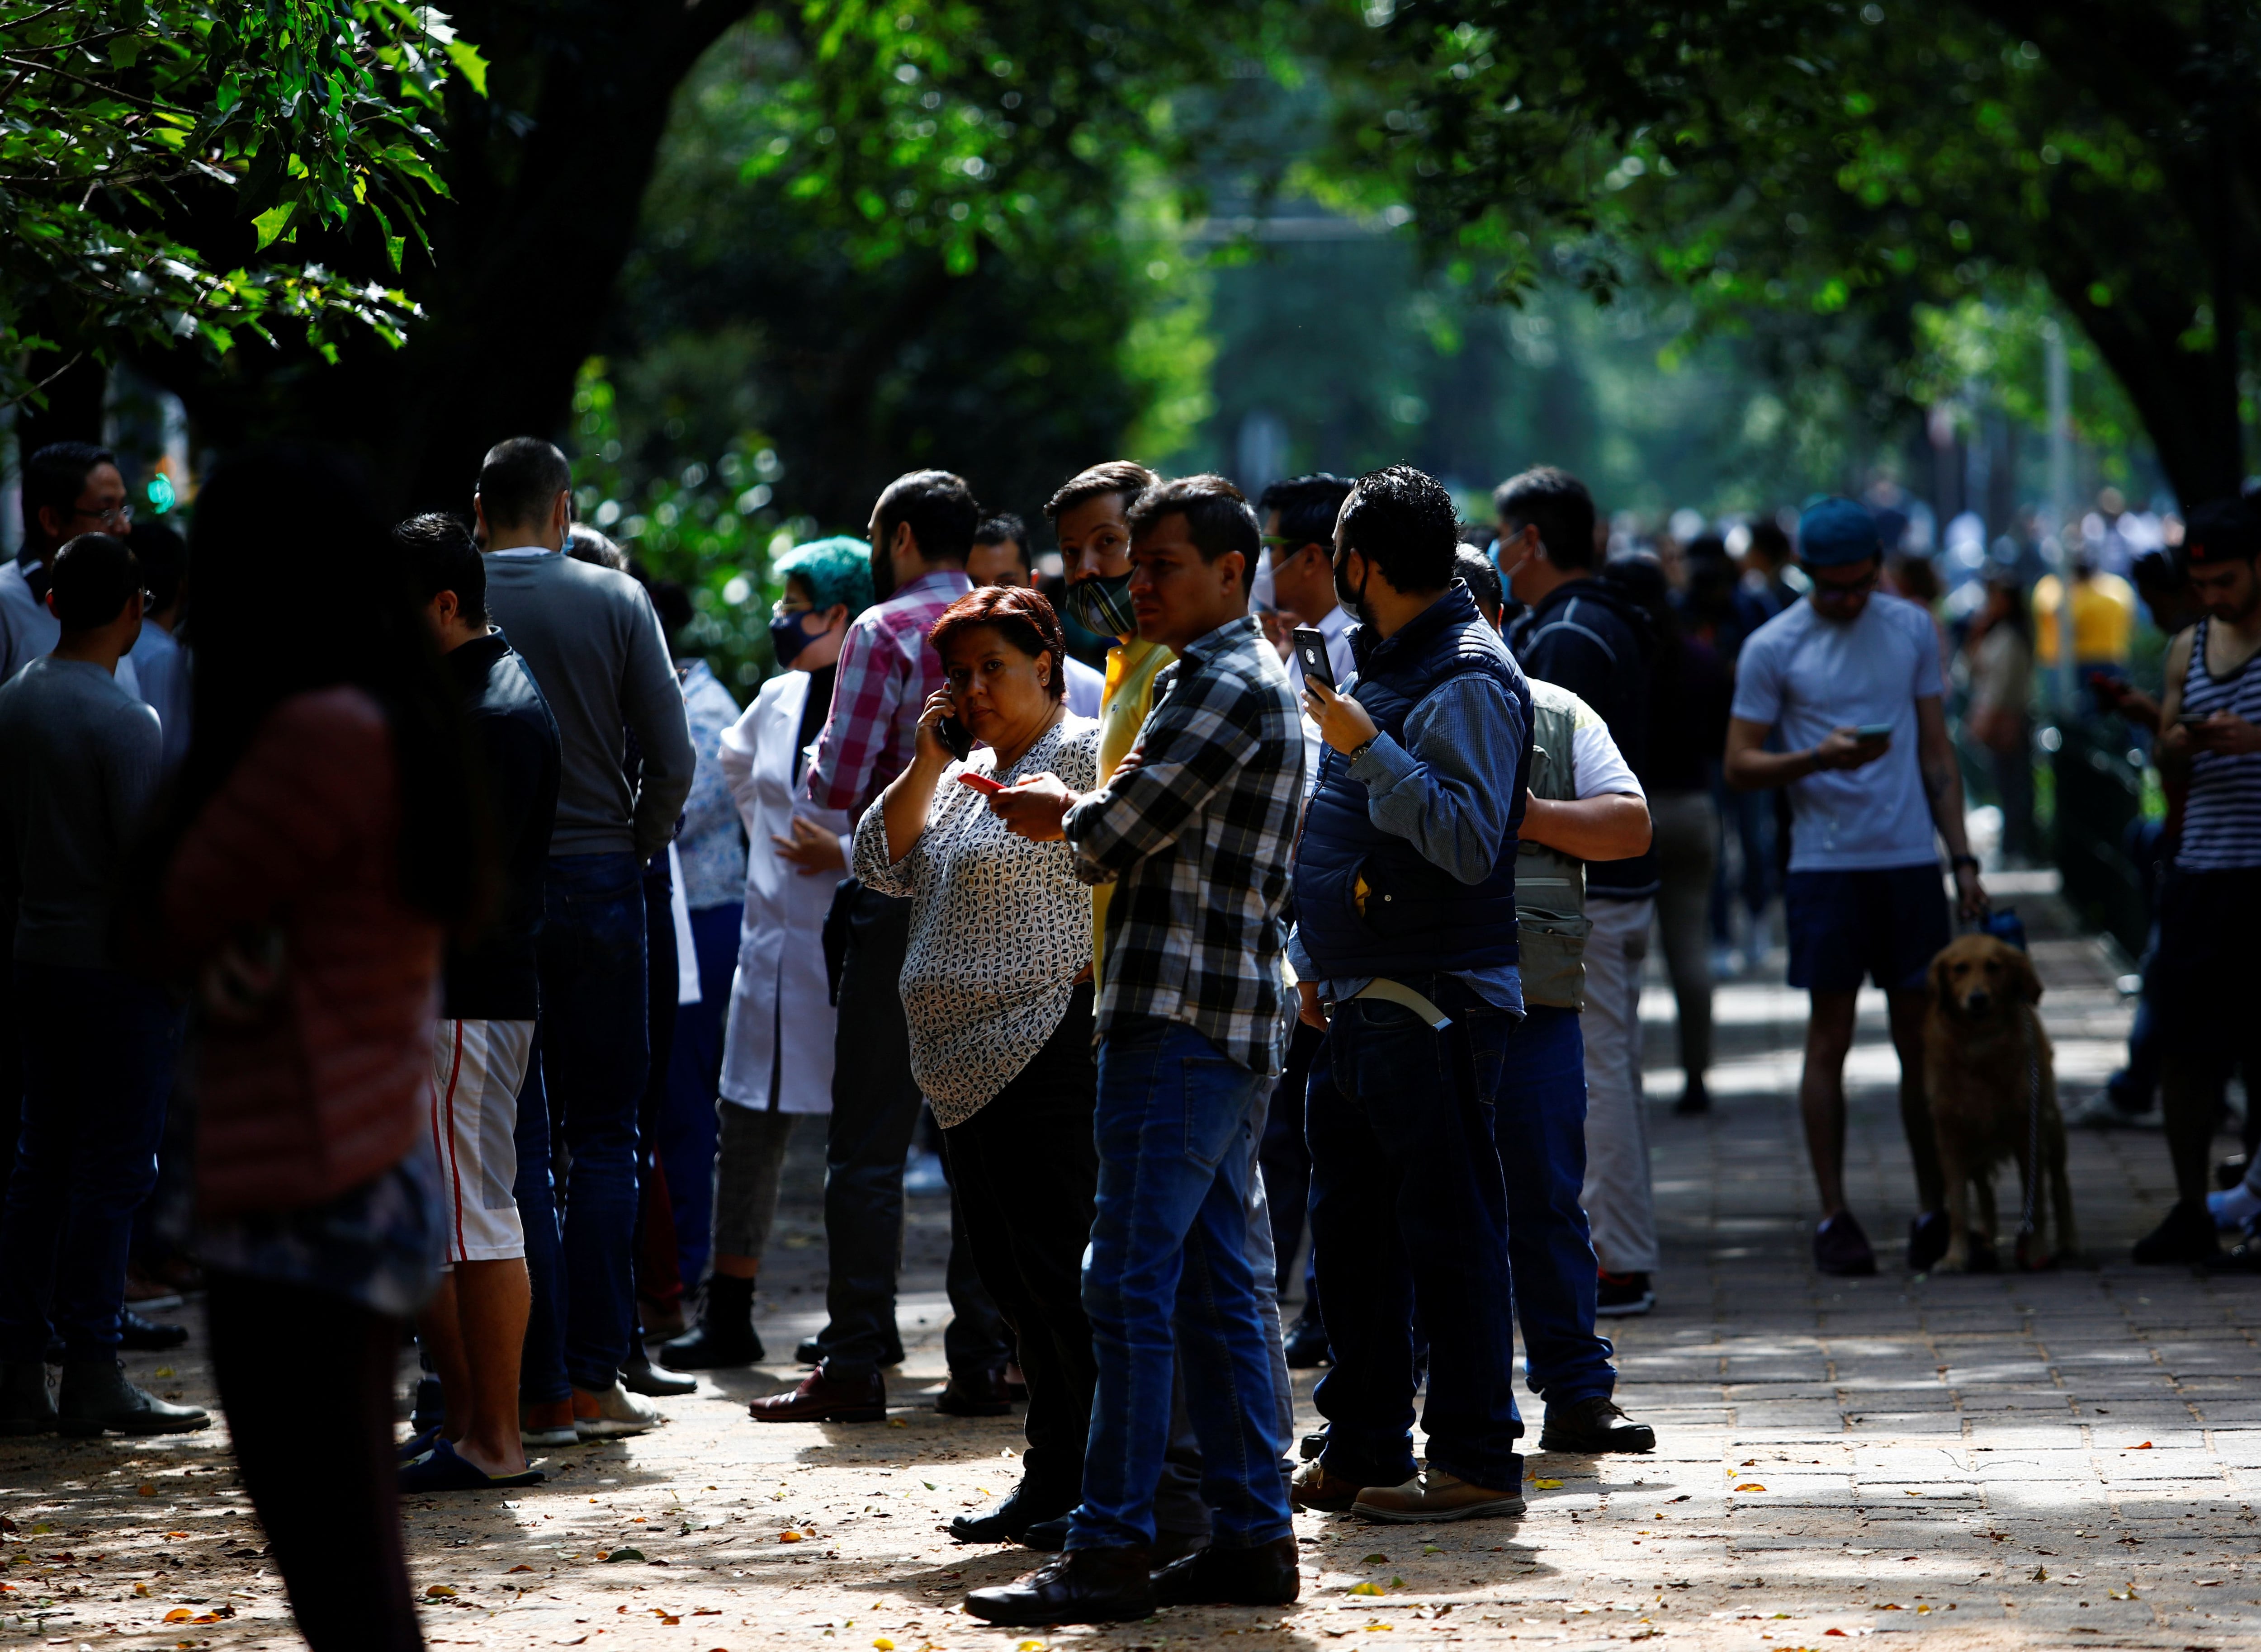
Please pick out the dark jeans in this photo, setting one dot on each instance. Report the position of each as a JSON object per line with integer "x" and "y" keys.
{"x": 317, "y": 1457}
{"x": 99, "y": 1048}
{"x": 1026, "y": 1169}
{"x": 1286, "y": 1160}
{"x": 594, "y": 1063}
{"x": 1409, "y": 1211}
{"x": 1538, "y": 1118}
{"x": 685, "y": 1144}
{"x": 654, "y": 1268}
{"x": 875, "y": 1108}
{"x": 542, "y": 1368}
{"x": 1169, "y": 1248}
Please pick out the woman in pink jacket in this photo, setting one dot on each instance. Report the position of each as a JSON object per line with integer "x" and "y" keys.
{"x": 325, "y": 833}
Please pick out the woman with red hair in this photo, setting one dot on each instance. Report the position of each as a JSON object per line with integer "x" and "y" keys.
{"x": 997, "y": 988}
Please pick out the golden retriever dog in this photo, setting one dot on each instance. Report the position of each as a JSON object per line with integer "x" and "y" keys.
{"x": 1983, "y": 1040}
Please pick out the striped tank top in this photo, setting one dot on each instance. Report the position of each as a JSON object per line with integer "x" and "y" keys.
{"x": 2221, "y": 822}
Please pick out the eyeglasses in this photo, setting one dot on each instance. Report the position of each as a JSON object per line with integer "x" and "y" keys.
{"x": 1827, "y": 589}
{"x": 116, "y": 513}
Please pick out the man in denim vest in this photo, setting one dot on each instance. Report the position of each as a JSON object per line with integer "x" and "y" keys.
{"x": 1405, "y": 948}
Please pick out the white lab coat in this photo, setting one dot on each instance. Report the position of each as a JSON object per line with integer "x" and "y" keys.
{"x": 779, "y": 991}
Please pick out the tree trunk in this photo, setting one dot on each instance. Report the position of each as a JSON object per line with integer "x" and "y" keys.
{"x": 547, "y": 176}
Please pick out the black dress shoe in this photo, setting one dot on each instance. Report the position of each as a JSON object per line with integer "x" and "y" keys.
{"x": 974, "y": 1394}
{"x": 1046, "y": 1537}
{"x": 1265, "y": 1576}
{"x": 1085, "y": 1585}
{"x": 1008, "y": 1522}
{"x": 1306, "y": 1345}
{"x": 1694, "y": 1098}
{"x": 640, "y": 1375}
{"x": 810, "y": 1351}
{"x": 149, "y": 1336}
{"x": 1589, "y": 1427}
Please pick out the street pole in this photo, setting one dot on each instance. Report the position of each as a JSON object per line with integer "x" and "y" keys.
{"x": 2061, "y": 507}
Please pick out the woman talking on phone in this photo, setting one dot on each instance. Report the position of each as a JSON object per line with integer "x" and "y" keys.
{"x": 997, "y": 988}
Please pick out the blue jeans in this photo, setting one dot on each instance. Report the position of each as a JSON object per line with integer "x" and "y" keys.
{"x": 98, "y": 1049}
{"x": 594, "y": 1065}
{"x": 1409, "y": 1211}
{"x": 541, "y": 1368}
{"x": 1538, "y": 1118}
{"x": 1170, "y": 1248}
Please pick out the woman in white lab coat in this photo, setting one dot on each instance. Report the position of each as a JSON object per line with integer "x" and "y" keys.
{"x": 777, "y": 1049}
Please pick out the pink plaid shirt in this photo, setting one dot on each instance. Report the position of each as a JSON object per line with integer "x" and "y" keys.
{"x": 886, "y": 671}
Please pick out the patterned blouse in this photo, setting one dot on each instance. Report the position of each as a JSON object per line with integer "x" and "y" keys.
{"x": 1000, "y": 926}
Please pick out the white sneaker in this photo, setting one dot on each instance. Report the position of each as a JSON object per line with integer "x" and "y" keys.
{"x": 565, "y": 1435}
{"x": 619, "y": 1414}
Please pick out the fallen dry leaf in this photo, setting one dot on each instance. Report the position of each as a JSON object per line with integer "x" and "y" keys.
{"x": 145, "y": 1490}
{"x": 1547, "y": 1486}
{"x": 179, "y": 1614}
{"x": 440, "y": 1591}
{"x": 1750, "y": 1485}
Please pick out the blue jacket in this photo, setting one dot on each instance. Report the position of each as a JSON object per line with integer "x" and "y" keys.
{"x": 1415, "y": 917}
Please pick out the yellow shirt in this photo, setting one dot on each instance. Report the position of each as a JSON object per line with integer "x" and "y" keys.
{"x": 1124, "y": 704}
{"x": 2103, "y": 620}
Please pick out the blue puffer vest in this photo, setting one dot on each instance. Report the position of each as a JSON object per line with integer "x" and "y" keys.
{"x": 1418, "y": 917}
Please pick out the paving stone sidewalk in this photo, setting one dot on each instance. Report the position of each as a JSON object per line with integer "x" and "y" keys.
{"x": 2066, "y": 1460}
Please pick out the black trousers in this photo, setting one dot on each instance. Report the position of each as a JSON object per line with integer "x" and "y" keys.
{"x": 1026, "y": 1167}
{"x": 331, "y": 1510}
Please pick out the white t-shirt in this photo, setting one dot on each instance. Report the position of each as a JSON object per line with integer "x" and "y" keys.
{"x": 1807, "y": 676}
{"x": 1598, "y": 768}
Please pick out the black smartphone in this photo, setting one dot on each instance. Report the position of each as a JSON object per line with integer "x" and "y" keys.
{"x": 2193, "y": 719}
{"x": 1311, "y": 650}
{"x": 956, "y": 739}
{"x": 1873, "y": 733}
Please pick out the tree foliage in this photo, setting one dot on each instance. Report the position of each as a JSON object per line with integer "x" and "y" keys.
{"x": 1817, "y": 164}
{"x": 280, "y": 117}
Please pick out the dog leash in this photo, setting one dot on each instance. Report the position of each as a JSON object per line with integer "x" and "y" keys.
{"x": 2033, "y": 1123}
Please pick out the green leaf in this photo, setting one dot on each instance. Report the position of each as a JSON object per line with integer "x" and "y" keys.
{"x": 468, "y": 64}
{"x": 270, "y": 224}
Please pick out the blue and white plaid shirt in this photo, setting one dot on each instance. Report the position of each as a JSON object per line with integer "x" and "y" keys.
{"x": 1197, "y": 832}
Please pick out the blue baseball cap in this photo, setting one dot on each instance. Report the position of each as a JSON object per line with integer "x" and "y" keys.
{"x": 1835, "y": 531}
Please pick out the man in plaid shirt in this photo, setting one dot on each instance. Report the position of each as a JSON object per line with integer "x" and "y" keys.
{"x": 1196, "y": 830}
{"x": 921, "y": 529}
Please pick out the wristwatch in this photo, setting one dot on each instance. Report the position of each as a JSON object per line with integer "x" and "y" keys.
{"x": 1361, "y": 749}
{"x": 1956, "y": 862}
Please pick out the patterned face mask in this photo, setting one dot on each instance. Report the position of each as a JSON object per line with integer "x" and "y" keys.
{"x": 1102, "y": 604}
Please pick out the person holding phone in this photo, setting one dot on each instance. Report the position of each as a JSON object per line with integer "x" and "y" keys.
{"x": 2203, "y": 976}
{"x": 996, "y": 985}
{"x": 1851, "y": 677}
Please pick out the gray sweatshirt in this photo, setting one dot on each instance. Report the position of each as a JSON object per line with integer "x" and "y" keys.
{"x": 79, "y": 760}
{"x": 591, "y": 639}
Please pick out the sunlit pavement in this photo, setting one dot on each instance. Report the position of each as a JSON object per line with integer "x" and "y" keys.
{"x": 2050, "y": 1460}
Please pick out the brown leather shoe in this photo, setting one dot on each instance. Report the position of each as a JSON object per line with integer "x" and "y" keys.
{"x": 1314, "y": 1488}
{"x": 1434, "y": 1496}
{"x": 822, "y": 1398}
{"x": 1084, "y": 1585}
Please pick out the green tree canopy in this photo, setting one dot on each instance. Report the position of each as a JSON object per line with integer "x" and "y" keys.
{"x": 1805, "y": 164}
{"x": 279, "y": 117}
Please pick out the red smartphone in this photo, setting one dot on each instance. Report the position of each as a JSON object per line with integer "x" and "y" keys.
{"x": 979, "y": 782}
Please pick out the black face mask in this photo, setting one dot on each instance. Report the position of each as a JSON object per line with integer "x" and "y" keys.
{"x": 883, "y": 575}
{"x": 788, "y": 638}
{"x": 1354, "y": 601}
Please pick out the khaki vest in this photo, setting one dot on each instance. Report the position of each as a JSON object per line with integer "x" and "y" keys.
{"x": 1550, "y": 886}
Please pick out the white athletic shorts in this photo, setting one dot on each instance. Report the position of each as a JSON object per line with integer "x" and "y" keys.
{"x": 477, "y": 1069}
